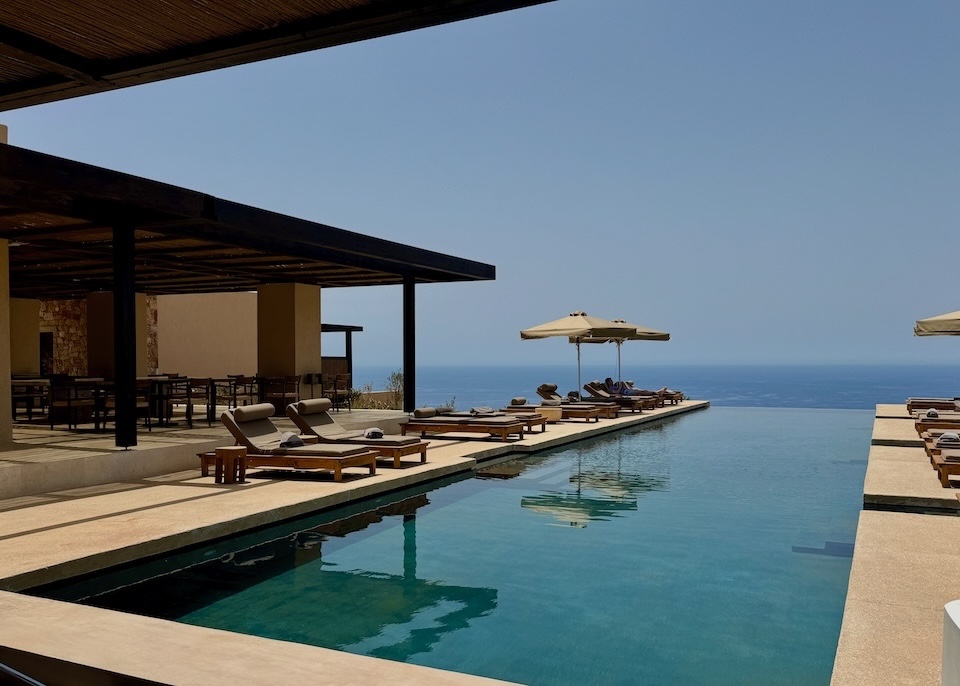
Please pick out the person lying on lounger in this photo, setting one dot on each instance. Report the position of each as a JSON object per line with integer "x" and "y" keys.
{"x": 619, "y": 387}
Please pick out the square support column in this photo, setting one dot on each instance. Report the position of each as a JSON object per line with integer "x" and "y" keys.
{"x": 288, "y": 330}
{"x": 409, "y": 345}
{"x": 6, "y": 403}
{"x": 24, "y": 336}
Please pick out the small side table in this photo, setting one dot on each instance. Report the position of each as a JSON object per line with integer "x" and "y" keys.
{"x": 552, "y": 413}
{"x": 231, "y": 465}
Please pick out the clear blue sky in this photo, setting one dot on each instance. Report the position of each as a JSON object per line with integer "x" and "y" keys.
{"x": 768, "y": 181}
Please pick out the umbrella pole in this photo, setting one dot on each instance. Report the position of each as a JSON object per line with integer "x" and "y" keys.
{"x": 619, "y": 374}
{"x": 578, "y": 364}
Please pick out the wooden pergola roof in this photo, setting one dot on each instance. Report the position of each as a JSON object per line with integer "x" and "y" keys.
{"x": 59, "y": 216}
{"x": 56, "y": 49}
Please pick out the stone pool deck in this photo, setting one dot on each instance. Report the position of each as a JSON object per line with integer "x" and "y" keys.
{"x": 66, "y": 532}
{"x": 906, "y": 564}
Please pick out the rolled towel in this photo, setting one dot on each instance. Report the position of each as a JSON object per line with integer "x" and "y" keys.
{"x": 425, "y": 412}
{"x": 290, "y": 440}
{"x": 932, "y": 412}
{"x": 482, "y": 409}
{"x": 948, "y": 438}
{"x": 519, "y": 400}
{"x": 373, "y": 432}
{"x": 444, "y": 409}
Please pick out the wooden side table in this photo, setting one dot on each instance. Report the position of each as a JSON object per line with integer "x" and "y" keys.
{"x": 229, "y": 464}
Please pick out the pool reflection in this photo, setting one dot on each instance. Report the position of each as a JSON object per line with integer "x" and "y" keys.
{"x": 284, "y": 589}
{"x": 605, "y": 481}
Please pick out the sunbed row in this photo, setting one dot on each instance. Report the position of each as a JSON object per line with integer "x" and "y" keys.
{"x": 323, "y": 444}
{"x": 937, "y": 420}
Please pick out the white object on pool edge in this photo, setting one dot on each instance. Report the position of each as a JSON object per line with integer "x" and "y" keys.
{"x": 950, "y": 668}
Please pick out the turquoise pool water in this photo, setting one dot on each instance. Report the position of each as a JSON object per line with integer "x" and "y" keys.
{"x": 713, "y": 548}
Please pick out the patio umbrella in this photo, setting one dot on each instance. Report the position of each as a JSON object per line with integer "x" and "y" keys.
{"x": 941, "y": 325}
{"x": 577, "y": 326}
{"x": 641, "y": 333}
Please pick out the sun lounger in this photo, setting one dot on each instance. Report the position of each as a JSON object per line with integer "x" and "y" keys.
{"x": 312, "y": 418}
{"x": 251, "y": 427}
{"x": 947, "y": 464}
{"x": 634, "y": 403}
{"x": 937, "y": 440}
{"x": 548, "y": 391}
{"x": 944, "y": 421}
{"x": 530, "y": 419}
{"x": 425, "y": 420}
{"x": 665, "y": 394}
{"x": 918, "y": 404}
{"x": 567, "y": 410}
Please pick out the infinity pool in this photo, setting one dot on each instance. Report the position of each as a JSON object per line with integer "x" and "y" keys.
{"x": 713, "y": 548}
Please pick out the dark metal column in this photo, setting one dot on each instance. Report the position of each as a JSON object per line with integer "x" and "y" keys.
{"x": 409, "y": 346}
{"x": 125, "y": 335}
{"x": 348, "y": 351}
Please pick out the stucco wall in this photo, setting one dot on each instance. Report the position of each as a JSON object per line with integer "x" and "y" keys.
{"x": 24, "y": 336}
{"x": 207, "y": 334}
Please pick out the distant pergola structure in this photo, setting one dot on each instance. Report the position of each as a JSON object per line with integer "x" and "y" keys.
{"x": 74, "y": 229}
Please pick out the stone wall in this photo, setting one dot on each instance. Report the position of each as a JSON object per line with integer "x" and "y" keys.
{"x": 153, "y": 355}
{"x": 67, "y": 320}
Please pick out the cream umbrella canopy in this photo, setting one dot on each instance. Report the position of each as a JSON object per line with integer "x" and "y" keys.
{"x": 577, "y": 326}
{"x": 641, "y": 333}
{"x": 941, "y": 325}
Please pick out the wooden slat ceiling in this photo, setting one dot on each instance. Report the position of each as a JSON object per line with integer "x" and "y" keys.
{"x": 59, "y": 217}
{"x": 56, "y": 49}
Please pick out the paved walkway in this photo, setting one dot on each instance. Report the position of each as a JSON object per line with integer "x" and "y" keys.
{"x": 906, "y": 566}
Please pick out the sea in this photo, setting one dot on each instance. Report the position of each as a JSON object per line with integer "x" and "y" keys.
{"x": 853, "y": 387}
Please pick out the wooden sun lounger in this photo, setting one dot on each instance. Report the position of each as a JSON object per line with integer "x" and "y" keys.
{"x": 313, "y": 420}
{"x": 530, "y": 419}
{"x": 608, "y": 408}
{"x": 568, "y": 411}
{"x": 947, "y": 464}
{"x": 502, "y": 426}
{"x": 917, "y": 404}
{"x": 925, "y": 423}
{"x": 251, "y": 427}
{"x": 634, "y": 403}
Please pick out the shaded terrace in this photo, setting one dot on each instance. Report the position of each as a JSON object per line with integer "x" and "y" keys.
{"x": 74, "y": 229}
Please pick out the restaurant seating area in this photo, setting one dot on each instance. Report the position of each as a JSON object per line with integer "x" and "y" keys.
{"x": 85, "y": 403}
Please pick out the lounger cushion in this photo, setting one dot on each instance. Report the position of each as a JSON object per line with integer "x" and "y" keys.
{"x": 248, "y": 413}
{"x": 314, "y": 406}
{"x": 519, "y": 400}
{"x": 444, "y": 409}
{"x": 551, "y": 403}
{"x": 548, "y": 387}
{"x": 424, "y": 412}
{"x": 322, "y": 450}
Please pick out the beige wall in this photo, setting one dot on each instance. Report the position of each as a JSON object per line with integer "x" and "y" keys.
{"x": 100, "y": 360}
{"x": 24, "y": 336}
{"x": 207, "y": 334}
{"x": 288, "y": 326}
